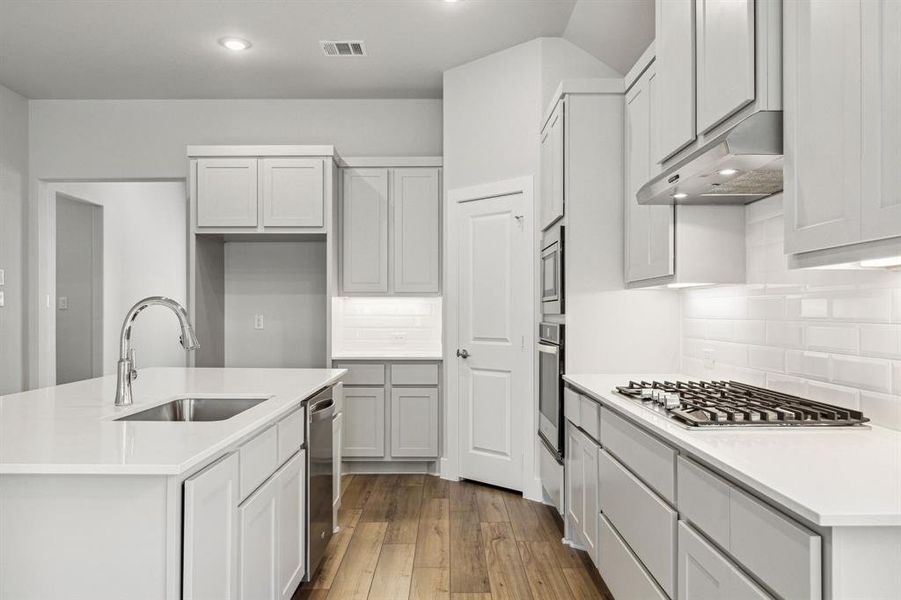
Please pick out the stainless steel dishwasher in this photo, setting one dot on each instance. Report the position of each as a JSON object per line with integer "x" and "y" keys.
{"x": 320, "y": 409}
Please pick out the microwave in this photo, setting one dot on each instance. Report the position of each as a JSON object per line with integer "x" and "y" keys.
{"x": 552, "y": 271}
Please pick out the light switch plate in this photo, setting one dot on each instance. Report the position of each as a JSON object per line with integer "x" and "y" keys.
{"x": 258, "y": 322}
{"x": 63, "y": 303}
{"x": 2, "y": 300}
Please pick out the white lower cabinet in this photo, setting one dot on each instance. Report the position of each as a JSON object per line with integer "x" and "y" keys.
{"x": 414, "y": 422}
{"x": 271, "y": 553}
{"x": 364, "y": 418}
{"x": 210, "y": 532}
{"x": 620, "y": 568}
{"x": 581, "y": 490}
{"x": 706, "y": 574}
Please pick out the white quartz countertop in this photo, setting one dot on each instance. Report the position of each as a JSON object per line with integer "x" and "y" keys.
{"x": 70, "y": 429}
{"x": 828, "y": 476}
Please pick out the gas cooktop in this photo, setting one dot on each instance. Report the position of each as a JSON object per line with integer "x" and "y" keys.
{"x": 734, "y": 404}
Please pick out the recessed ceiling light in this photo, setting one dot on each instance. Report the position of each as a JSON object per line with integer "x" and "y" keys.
{"x": 234, "y": 44}
{"x": 728, "y": 172}
{"x": 680, "y": 195}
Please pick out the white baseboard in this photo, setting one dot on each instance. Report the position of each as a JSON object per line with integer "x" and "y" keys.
{"x": 380, "y": 467}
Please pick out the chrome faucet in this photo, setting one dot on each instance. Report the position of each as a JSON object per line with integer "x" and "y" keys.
{"x": 126, "y": 371}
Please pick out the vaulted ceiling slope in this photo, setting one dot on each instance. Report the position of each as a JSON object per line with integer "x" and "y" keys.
{"x": 88, "y": 49}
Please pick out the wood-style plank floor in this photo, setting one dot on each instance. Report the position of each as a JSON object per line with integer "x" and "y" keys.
{"x": 413, "y": 537}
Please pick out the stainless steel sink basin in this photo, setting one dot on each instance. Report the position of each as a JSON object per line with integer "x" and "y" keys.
{"x": 195, "y": 409}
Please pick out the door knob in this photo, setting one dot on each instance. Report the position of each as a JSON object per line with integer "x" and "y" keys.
{"x": 464, "y": 353}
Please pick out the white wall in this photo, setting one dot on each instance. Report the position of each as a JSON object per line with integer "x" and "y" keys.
{"x": 116, "y": 139}
{"x": 286, "y": 283}
{"x": 13, "y": 198}
{"x": 833, "y": 336}
{"x": 617, "y": 30}
{"x": 560, "y": 59}
{"x": 144, "y": 250}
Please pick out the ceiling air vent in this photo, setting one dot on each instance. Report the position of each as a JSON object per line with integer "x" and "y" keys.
{"x": 354, "y": 48}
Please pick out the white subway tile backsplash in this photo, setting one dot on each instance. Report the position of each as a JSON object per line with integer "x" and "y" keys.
{"x": 766, "y": 358}
{"x": 785, "y": 384}
{"x": 789, "y": 335}
{"x": 871, "y": 307}
{"x": 814, "y": 308}
{"x": 377, "y": 326}
{"x": 807, "y": 364}
{"x": 766, "y": 307}
{"x": 881, "y": 340}
{"x": 896, "y": 377}
{"x": 864, "y": 373}
{"x": 832, "y": 338}
{"x": 881, "y": 409}
{"x": 694, "y": 328}
{"x": 834, "y": 394}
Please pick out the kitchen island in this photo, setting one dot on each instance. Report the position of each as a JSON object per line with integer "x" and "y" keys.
{"x": 95, "y": 507}
{"x": 799, "y": 512}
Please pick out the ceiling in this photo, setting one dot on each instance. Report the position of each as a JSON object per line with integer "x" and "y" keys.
{"x": 168, "y": 48}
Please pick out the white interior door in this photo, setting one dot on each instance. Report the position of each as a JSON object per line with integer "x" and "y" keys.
{"x": 494, "y": 313}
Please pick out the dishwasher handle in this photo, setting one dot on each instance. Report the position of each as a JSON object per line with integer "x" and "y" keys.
{"x": 324, "y": 409}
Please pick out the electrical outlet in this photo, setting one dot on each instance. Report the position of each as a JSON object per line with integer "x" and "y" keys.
{"x": 399, "y": 336}
{"x": 709, "y": 358}
{"x": 63, "y": 303}
{"x": 258, "y": 322}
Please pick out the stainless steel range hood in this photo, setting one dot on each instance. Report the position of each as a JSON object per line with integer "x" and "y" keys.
{"x": 742, "y": 165}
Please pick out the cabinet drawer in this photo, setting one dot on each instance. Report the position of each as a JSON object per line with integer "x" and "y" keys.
{"x": 621, "y": 570}
{"x": 572, "y": 406}
{"x": 363, "y": 374}
{"x": 704, "y": 500}
{"x": 652, "y": 460}
{"x": 589, "y": 417}
{"x": 646, "y": 522}
{"x": 426, "y": 374}
{"x": 291, "y": 432}
{"x": 749, "y": 530}
{"x": 704, "y": 572}
{"x": 259, "y": 459}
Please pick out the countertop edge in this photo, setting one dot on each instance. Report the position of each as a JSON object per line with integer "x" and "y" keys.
{"x": 787, "y": 504}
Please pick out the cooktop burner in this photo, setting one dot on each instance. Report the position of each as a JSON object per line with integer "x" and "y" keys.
{"x": 734, "y": 404}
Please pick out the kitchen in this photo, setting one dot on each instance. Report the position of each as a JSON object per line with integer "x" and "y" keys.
{"x": 670, "y": 191}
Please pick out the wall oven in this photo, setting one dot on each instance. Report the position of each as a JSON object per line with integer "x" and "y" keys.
{"x": 552, "y": 271}
{"x": 550, "y": 388}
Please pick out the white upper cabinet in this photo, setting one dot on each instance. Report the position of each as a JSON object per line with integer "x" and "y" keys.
{"x": 293, "y": 194}
{"x": 416, "y": 202}
{"x": 675, "y": 51}
{"x": 725, "y": 58}
{"x": 552, "y": 168}
{"x": 822, "y": 128}
{"x": 649, "y": 229}
{"x": 881, "y": 143}
{"x": 365, "y": 230}
{"x": 227, "y": 192}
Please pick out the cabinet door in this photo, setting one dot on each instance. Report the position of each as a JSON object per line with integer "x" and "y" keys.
{"x": 590, "y": 500}
{"x": 227, "y": 192}
{"x": 291, "y": 483}
{"x": 881, "y": 149}
{"x": 822, "y": 123}
{"x": 257, "y": 566}
{"x": 552, "y": 167}
{"x": 649, "y": 238}
{"x": 365, "y": 230}
{"x": 705, "y": 574}
{"x": 210, "y": 532}
{"x": 725, "y": 58}
{"x": 675, "y": 50}
{"x": 414, "y": 422}
{"x": 364, "y": 422}
{"x": 573, "y": 476}
{"x": 337, "y": 431}
{"x": 416, "y": 201}
{"x": 293, "y": 192}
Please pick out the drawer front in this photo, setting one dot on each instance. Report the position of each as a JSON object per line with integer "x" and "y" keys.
{"x": 749, "y": 530}
{"x": 572, "y": 405}
{"x": 590, "y": 417}
{"x": 426, "y": 374}
{"x": 621, "y": 570}
{"x": 644, "y": 520}
{"x": 653, "y": 461}
{"x": 705, "y": 573}
{"x": 259, "y": 460}
{"x": 363, "y": 374}
{"x": 291, "y": 432}
{"x": 704, "y": 500}
{"x": 792, "y": 572}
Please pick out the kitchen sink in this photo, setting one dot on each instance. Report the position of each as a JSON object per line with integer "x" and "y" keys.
{"x": 195, "y": 409}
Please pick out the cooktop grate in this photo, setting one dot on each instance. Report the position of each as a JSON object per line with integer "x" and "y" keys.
{"x": 730, "y": 403}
